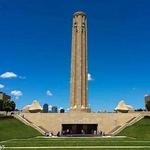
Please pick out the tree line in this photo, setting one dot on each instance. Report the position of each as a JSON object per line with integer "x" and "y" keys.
{"x": 7, "y": 105}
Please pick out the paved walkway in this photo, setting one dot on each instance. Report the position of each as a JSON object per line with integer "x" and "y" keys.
{"x": 81, "y": 147}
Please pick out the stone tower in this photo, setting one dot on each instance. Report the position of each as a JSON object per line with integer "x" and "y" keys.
{"x": 78, "y": 83}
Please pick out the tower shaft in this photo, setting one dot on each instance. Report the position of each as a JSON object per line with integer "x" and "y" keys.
{"x": 78, "y": 85}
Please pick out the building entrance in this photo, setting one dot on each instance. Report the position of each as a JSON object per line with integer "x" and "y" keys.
{"x": 79, "y": 128}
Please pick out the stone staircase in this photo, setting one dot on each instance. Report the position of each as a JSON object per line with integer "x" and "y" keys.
{"x": 113, "y": 130}
{"x": 130, "y": 122}
{"x": 29, "y": 123}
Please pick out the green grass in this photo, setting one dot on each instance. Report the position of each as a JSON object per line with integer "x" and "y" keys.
{"x": 46, "y": 142}
{"x": 76, "y": 142}
{"x": 82, "y": 149}
{"x": 11, "y": 128}
{"x": 40, "y": 142}
{"x": 19, "y": 133}
{"x": 140, "y": 130}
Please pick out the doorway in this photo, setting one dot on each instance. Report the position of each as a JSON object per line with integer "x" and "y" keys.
{"x": 79, "y": 128}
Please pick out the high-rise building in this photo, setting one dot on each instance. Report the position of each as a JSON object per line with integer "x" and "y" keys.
{"x": 78, "y": 83}
{"x": 54, "y": 109}
{"x": 45, "y": 108}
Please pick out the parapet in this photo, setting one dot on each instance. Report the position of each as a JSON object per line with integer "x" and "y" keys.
{"x": 79, "y": 13}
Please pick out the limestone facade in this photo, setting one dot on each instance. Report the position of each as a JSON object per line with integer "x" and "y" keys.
{"x": 78, "y": 82}
{"x": 53, "y": 121}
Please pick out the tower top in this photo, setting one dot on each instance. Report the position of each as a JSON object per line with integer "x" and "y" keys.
{"x": 79, "y": 13}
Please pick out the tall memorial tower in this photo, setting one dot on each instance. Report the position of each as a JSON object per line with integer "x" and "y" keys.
{"x": 79, "y": 83}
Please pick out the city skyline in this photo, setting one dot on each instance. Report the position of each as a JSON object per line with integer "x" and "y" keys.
{"x": 35, "y": 46}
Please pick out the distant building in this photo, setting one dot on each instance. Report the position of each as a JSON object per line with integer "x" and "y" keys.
{"x": 45, "y": 108}
{"x": 124, "y": 108}
{"x": 4, "y": 96}
{"x": 147, "y": 102}
{"x": 54, "y": 109}
{"x": 35, "y": 107}
{"x": 62, "y": 110}
{"x": 25, "y": 109}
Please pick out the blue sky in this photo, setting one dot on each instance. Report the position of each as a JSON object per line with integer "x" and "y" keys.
{"x": 35, "y": 44}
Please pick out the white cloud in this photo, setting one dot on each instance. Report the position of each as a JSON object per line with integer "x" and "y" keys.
{"x": 8, "y": 75}
{"x": 89, "y": 77}
{"x": 11, "y": 75}
{"x": 49, "y": 93}
{"x": 16, "y": 93}
{"x": 1, "y": 86}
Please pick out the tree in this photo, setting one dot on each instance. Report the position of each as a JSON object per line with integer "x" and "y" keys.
{"x": 8, "y": 106}
{"x": 62, "y": 110}
{"x": 1, "y": 105}
{"x": 13, "y": 105}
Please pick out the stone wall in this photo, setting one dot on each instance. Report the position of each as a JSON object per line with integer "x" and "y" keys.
{"x": 53, "y": 121}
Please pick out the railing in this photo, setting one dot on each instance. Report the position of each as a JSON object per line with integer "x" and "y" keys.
{"x": 128, "y": 123}
{"x": 29, "y": 123}
{"x": 113, "y": 130}
{"x": 131, "y": 120}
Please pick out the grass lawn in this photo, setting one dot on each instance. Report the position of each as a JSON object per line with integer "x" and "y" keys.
{"x": 25, "y": 134}
{"x": 76, "y": 142}
{"x": 62, "y": 143}
{"x": 11, "y": 128}
{"x": 140, "y": 130}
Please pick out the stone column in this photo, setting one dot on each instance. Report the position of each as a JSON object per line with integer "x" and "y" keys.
{"x": 78, "y": 85}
